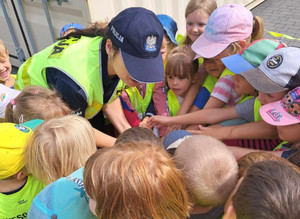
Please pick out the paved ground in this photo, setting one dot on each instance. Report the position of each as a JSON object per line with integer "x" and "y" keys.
{"x": 282, "y": 16}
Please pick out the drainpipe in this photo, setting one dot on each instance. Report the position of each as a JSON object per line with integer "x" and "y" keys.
{"x": 50, "y": 25}
{"x": 27, "y": 26}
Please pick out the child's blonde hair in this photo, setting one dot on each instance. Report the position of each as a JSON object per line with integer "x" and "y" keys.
{"x": 135, "y": 180}
{"x": 35, "y": 102}
{"x": 58, "y": 147}
{"x": 209, "y": 167}
{"x": 181, "y": 63}
{"x": 258, "y": 29}
{"x": 3, "y": 50}
{"x": 202, "y": 6}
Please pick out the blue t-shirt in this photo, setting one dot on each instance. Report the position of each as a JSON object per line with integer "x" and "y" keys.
{"x": 202, "y": 98}
{"x": 64, "y": 198}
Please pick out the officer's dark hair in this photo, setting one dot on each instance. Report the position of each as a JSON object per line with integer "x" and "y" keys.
{"x": 94, "y": 30}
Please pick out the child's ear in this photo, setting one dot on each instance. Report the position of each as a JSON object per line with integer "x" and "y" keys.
{"x": 243, "y": 44}
{"x": 22, "y": 174}
{"x": 230, "y": 213}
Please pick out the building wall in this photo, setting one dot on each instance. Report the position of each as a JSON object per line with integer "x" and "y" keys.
{"x": 101, "y": 10}
{"x": 41, "y": 32}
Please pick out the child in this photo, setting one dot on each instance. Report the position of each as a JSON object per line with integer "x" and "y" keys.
{"x": 284, "y": 114}
{"x": 17, "y": 187}
{"x": 59, "y": 147}
{"x": 143, "y": 101}
{"x": 196, "y": 15}
{"x": 35, "y": 102}
{"x": 179, "y": 75}
{"x": 169, "y": 40}
{"x": 5, "y": 67}
{"x": 269, "y": 189}
{"x": 210, "y": 171}
{"x": 135, "y": 180}
{"x": 68, "y": 28}
{"x": 229, "y": 29}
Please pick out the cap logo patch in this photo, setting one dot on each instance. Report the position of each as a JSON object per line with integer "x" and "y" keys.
{"x": 22, "y": 128}
{"x": 151, "y": 43}
{"x": 276, "y": 116}
{"x": 117, "y": 34}
{"x": 275, "y": 61}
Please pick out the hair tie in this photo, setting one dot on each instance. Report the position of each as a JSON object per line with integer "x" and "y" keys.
{"x": 36, "y": 91}
{"x": 21, "y": 119}
{"x": 12, "y": 102}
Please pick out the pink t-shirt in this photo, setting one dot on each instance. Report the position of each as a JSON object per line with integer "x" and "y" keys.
{"x": 224, "y": 91}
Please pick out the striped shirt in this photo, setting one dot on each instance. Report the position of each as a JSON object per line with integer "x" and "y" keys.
{"x": 224, "y": 91}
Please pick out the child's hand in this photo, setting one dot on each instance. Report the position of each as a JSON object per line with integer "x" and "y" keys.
{"x": 213, "y": 131}
{"x": 172, "y": 128}
{"x": 159, "y": 121}
{"x": 144, "y": 123}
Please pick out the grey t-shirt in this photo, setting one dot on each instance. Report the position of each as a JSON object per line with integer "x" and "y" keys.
{"x": 246, "y": 110}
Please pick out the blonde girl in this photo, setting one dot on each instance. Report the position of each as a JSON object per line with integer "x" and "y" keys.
{"x": 35, "y": 102}
{"x": 58, "y": 147}
{"x": 135, "y": 180}
{"x": 197, "y": 13}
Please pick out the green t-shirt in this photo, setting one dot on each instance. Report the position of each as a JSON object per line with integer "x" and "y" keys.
{"x": 16, "y": 205}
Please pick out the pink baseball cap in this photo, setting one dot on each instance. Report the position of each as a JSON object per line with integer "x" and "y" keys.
{"x": 283, "y": 112}
{"x": 227, "y": 24}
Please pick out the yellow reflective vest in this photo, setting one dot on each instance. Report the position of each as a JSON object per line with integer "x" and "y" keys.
{"x": 77, "y": 57}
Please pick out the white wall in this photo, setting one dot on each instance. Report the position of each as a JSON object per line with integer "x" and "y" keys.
{"x": 101, "y": 10}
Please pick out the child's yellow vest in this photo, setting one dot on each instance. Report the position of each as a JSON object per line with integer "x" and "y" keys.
{"x": 172, "y": 103}
{"x": 139, "y": 103}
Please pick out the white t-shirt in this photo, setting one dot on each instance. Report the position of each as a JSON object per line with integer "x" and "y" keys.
{"x": 6, "y": 94}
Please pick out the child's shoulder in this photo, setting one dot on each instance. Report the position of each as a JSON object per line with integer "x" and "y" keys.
{"x": 65, "y": 193}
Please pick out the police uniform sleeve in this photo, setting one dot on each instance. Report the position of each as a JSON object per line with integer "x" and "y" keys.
{"x": 70, "y": 92}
